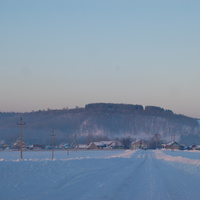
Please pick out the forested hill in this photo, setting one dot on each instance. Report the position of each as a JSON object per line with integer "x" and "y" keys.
{"x": 99, "y": 121}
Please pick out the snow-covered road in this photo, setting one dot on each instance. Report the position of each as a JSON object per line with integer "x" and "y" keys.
{"x": 108, "y": 175}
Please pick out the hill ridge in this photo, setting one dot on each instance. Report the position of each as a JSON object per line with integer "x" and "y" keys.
{"x": 98, "y": 120}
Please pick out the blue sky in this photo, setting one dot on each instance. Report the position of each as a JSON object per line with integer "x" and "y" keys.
{"x": 68, "y": 53}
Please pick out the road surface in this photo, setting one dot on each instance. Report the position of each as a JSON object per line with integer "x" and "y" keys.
{"x": 142, "y": 176}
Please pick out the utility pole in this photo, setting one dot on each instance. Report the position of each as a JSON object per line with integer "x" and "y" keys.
{"x": 21, "y": 124}
{"x": 68, "y": 141}
{"x": 75, "y": 143}
{"x": 52, "y": 143}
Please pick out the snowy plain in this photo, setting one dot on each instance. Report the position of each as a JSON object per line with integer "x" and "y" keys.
{"x": 95, "y": 175}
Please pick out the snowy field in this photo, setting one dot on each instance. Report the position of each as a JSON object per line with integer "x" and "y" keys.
{"x": 95, "y": 175}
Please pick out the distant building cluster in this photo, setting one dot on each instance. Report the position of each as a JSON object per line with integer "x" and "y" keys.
{"x": 100, "y": 145}
{"x": 93, "y": 145}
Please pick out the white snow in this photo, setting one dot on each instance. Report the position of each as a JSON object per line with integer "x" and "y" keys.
{"x": 97, "y": 175}
{"x": 184, "y": 158}
{"x": 192, "y": 154}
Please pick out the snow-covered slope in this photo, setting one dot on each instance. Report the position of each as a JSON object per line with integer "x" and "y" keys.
{"x": 95, "y": 175}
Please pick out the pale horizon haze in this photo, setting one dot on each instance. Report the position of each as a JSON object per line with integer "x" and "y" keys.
{"x": 68, "y": 53}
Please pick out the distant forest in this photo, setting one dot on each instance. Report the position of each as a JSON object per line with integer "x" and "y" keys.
{"x": 100, "y": 121}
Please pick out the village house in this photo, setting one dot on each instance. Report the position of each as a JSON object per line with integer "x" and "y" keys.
{"x": 93, "y": 145}
{"x": 106, "y": 145}
{"x": 63, "y": 146}
{"x": 139, "y": 144}
{"x": 173, "y": 146}
{"x": 17, "y": 144}
{"x": 3, "y": 145}
{"x": 36, "y": 147}
{"x": 116, "y": 145}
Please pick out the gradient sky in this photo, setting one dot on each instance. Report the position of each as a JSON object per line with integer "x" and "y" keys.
{"x": 68, "y": 53}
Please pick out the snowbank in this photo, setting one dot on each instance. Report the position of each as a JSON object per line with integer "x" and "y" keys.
{"x": 161, "y": 155}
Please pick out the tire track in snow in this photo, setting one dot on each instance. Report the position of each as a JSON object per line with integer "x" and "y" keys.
{"x": 88, "y": 174}
{"x": 125, "y": 188}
